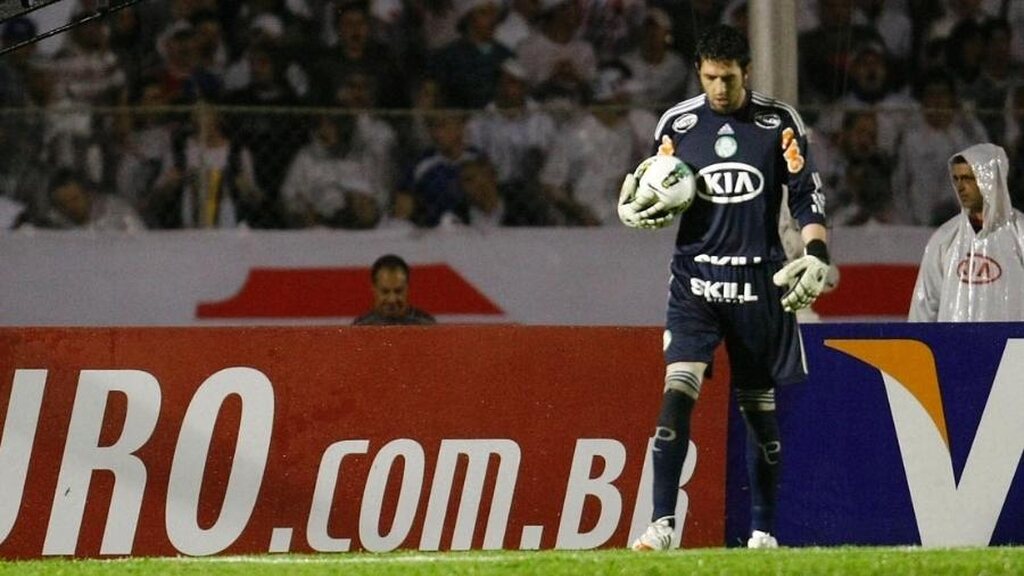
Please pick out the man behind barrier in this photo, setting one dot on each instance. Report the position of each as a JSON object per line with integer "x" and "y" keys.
{"x": 973, "y": 266}
{"x": 390, "y": 278}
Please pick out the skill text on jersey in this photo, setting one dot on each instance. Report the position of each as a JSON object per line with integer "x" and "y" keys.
{"x": 728, "y": 292}
{"x": 726, "y": 260}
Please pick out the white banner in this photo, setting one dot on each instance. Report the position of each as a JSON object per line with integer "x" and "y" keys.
{"x": 601, "y": 276}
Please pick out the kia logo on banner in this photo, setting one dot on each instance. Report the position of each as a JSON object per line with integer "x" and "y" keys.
{"x": 978, "y": 269}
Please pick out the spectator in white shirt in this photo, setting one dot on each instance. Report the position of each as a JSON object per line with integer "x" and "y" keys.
{"x": 661, "y": 75}
{"x": 934, "y": 134}
{"x": 145, "y": 143}
{"x": 515, "y": 134}
{"x": 582, "y": 174}
{"x": 88, "y": 70}
{"x": 76, "y": 203}
{"x": 871, "y": 87}
{"x": 558, "y": 63}
{"x": 327, "y": 182}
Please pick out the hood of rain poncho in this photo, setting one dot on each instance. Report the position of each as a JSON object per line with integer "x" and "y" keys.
{"x": 991, "y": 167}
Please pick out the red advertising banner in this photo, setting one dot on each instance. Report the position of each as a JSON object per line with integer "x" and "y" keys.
{"x": 149, "y": 441}
{"x": 343, "y": 292}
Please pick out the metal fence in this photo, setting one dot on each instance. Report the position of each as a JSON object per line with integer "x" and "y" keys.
{"x": 155, "y": 167}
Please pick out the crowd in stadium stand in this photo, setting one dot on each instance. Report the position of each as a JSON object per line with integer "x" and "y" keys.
{"x": 376, "y": 113}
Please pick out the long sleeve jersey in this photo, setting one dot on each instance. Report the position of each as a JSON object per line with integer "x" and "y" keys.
{"x": 743, "y": 162}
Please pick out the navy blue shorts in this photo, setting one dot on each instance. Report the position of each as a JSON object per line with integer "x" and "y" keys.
{"x": 739, "y": 304}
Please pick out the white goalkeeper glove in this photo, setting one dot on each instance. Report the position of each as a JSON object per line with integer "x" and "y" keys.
{"x": 806, "y": 277}
{"x": 628, "y": 209}
{"x": 645, "y": 210}
{"x": 641, "y": 211}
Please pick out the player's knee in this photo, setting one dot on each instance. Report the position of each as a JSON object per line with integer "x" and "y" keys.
{"x": 756, "y": 400}
{"x": 685, "y": 377}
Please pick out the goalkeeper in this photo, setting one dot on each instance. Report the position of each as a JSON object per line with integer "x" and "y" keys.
{"x": 728, "y": 278}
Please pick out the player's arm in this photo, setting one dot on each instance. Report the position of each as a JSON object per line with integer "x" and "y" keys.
{"x": 805, "y": 277}
{"x": 812, "y": 232}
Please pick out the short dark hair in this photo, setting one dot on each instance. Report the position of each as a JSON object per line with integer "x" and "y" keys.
{"x": 959, "y": 159}
{"x": 723, "y": 43}
{"x": 391, "y": 262}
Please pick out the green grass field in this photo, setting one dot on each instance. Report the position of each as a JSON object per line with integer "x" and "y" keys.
{"x": 813, "y": 561}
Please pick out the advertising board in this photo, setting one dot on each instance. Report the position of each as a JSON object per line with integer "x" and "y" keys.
{"x": 247, "y": 440}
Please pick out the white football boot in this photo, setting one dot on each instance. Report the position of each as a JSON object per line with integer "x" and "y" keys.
{"x": 759, "y": 539}
{"x": 658, "y": 536}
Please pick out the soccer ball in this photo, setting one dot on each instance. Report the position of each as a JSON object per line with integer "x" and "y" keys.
{"x": 669, "y": 179}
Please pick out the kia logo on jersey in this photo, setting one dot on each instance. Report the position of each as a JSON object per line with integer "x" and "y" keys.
{"x": 684, "y": 123}
{"x": 978, "y": 270}
{"x": 730, "y": 183}
{"x": 767, "y": 120}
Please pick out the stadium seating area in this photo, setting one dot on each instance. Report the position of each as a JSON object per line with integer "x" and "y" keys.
{"x": 362, "y": 114}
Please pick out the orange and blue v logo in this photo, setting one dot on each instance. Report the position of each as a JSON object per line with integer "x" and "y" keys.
{"x": 908, "y": 362}
{"x": 949, "y": 513}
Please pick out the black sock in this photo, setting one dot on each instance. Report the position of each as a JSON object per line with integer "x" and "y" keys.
{"x": 764, "y": 452}
{"x": 671, "y": 440}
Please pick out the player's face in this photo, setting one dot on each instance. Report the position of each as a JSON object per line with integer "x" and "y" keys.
{"x": 967, "y": 188}
{"x": 391, "y": 292}
{"x": 724, "y": 82}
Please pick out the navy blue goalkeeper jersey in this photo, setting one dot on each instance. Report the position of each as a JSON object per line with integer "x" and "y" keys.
{"x": 743, "y": 161}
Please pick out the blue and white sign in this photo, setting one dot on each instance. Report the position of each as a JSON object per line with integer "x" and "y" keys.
{"x": 903, "y": 434}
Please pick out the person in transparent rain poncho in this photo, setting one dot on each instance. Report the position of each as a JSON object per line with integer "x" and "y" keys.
{"x": 973, "y": 266}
